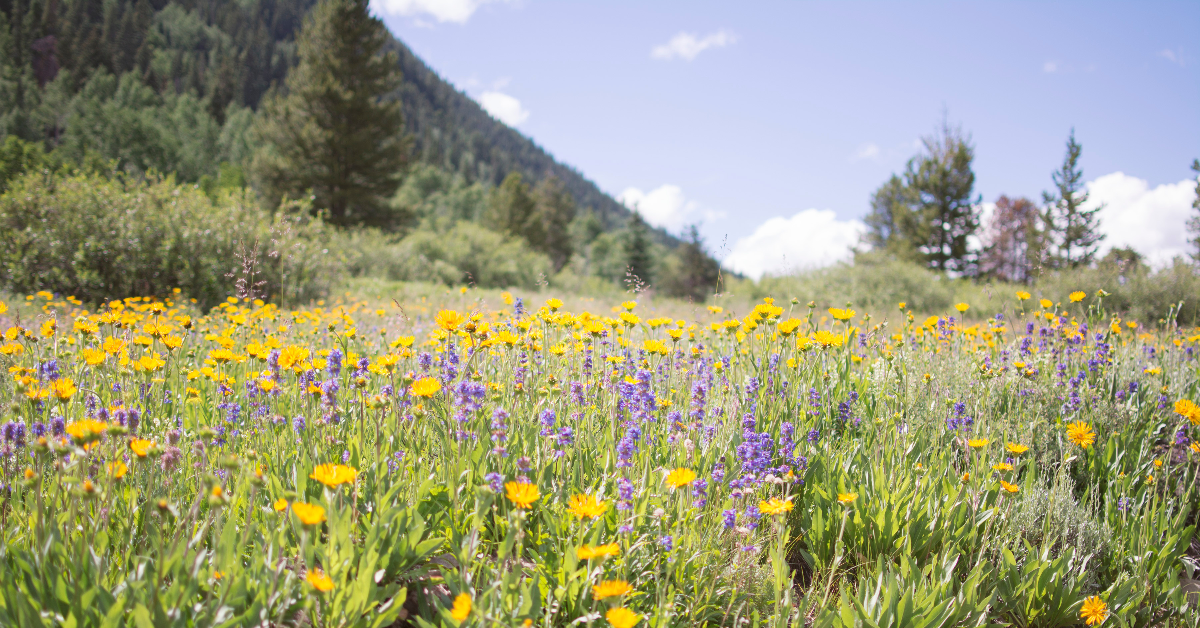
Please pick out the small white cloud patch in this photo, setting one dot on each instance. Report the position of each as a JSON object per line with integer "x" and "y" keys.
{"x": 687, "y": 45}
{"x": 504, "y": 108}
{"x": 1150, "y": 220}
{"x": 664, "y": 206}
{"x": 868, "y": 151}
{"x": 809, "y": 239}
{"x": 457, "y": 11}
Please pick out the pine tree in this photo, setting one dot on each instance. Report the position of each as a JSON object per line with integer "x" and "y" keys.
{"x": 639, "y": 261}
{"x": 556, "y": 208}
{"x": 1193, "y": 223}
{"x": 512, "y": 209}
{"x": 890, "y": 224}
{"x": 946, "y": 215}
{"x": 337, "y": 131}
{"x": 1075, "y": 231}
{"x": 696, "y": 276}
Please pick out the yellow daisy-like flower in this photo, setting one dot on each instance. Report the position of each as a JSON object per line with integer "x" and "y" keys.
{"x": 1188, "y": 409}
{"x": 1002, "y": 466}
{"x": 334, "y": 475}
{"x": 309, "y": 514}
{"x": 140, "y": 446}
{"x": 1022, "y": 295}
{"x": 317, "y": 578}
{"x": 1081, "y": 434}
{"x": 280, "y": 505}
{"x": 86, "y": 430}
{"x": 1015, "y": 449}
{"x": 449, "y": 320}
{"x": 610, "y": 588}
{"x": 462, "y": 607}
{"x": 63, "y": 389}
{"x": 1011, "y": 488}
{"x": 1094, "y": 611}
{"x": 775, "y": 506}
{"x": 841, "y": 314}
{"x": 629, "y": 305}
{"x": 291, "y": 356}
{"x": 962, "y": 307}
{"x": 682, "y": 476}
{"x": 621, "y": 617}
{"x": 586, "y": 506}
{"x": 1046, "y": 304}
{"x": 554, "y": 304}
{"x": 426, "y": 387}
{"x": 1077, "y": 296}
{"x": 588, "y": 552}
{"x": 846, "y": 498}
{"x": 976, "y": 443}
{"x": 117, "y": 469}
{"x": 522, "y": 494}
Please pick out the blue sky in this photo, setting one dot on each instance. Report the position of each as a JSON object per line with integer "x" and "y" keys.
{"x": 772, "y": 122}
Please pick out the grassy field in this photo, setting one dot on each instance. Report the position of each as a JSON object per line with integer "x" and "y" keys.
{"x": 409, "y": 454}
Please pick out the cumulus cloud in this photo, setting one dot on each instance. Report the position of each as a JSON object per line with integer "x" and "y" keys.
{"x": 457, "y": 11}
{"x": 868, "y": 151}
{"x": 1150, "y": 220}
{"x": 504, "y": 108}
{"x": 687, "y": 45}
{"x": 809, "y": 239}
{"x": 664, "y": 206}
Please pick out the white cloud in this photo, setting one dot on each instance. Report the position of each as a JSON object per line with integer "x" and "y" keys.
{"x": 868, "y": 151}
{"x": 1050, "y": 67}
{"x": 664, "y": 206}
{"x": 504, "y": 108}
{"x": 1152, "y": 221}
{"x": 1174, "y": 56}
{"x": 809, "y": 239}
{"x": 458, "y": 11}
{"x": 688, "y": 45}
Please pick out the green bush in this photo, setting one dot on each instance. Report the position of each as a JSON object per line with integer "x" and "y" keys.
{"x": 98, "y": 238}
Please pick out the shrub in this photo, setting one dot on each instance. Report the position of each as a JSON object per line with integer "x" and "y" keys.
{"x": 98, "y": 238}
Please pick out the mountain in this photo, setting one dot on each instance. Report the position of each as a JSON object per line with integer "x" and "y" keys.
{"x": 172, "y": 86}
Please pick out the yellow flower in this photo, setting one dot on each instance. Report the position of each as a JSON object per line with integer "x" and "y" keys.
{"x": 117, "y": 469}
{"x": 1094, "y": 611}
{"x": 280, "y": 505}
{"x": 1077, "y": 296}
{"x": 681, "y": 477}
{"x": 610, "y": 588}
{"x": 522, "y": 494}
{"x": 1016, "y": 449}
{"x": 1011, "y": 488}
{"x": 1022, "y": 295}
{"x": 775, "y": 506}
{"x": 962, "y": 307}
{"x": 93, "y": 356}
{"x": 976, "y": 443}
{"x": 629, "y": 305}
{"x": 1081, "y": 434}
{"x": 1188, "y": 409}
{"x": 1003, "y": 466}
{"x": 291, "y": 356}
{"x": 63, "y": 389}
{"x": 449, "y": 320}
{"x": 846, "y": 498}
{"x": 462, "y": 607}
{"x": 334, "y": 475}
{"x": 140, "y": 446}
{"x": 841, "y": 314}
{"x": 586, "y": 506}
{"x": 588, "y": 552}
{"x": 426, "y": 387}
{"x": 1046, "y": 304}
{"x": 787, "y": 327}
{"x": 621, "y": 617}
{"x": 309, "y": 514}
{"x": 86, "y": 430}
{"x": 319, "y": 580}
{"x": 554, "y": 304}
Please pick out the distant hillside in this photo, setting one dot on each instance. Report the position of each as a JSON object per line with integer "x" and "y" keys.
{"x": 199, "y": 70}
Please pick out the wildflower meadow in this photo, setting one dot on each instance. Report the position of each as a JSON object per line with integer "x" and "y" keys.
{"x": 473, "y": 458}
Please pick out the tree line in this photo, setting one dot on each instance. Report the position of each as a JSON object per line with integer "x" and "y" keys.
{"x": 930, "y": 214}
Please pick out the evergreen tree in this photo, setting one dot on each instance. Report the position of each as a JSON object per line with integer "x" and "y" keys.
{"x": 1074, "y": 230}
{"x": 947, "y": 214}
{"x": 337, "y": 131}
{"x": 1193, "y": 223}
{"x": 890, "y": 223}
{"x": 556, "y": 208}
{"x": 512, "y": 209}
{"x": 696, "y": 276}
{"x": 639, "y": 260}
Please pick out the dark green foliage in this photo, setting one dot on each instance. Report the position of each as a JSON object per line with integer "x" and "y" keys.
{"x": 18, "y": 157}
{"x": 1074, "y": 231}
{"x": 638, "y": 258}
{"x": 98, "y": 238}
{"x": 512, "y": 210}
{"x": 694, "y": 274}
{"x": 930, "y": 212}
{"x": 556, "y": 209}
{"x": 336, "y": 133}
